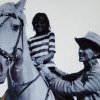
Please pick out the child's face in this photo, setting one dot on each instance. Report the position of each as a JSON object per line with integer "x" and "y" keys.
{"x": 40, "y": 26}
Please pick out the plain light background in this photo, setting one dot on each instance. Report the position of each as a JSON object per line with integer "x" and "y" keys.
{"x": 68, "y": 19}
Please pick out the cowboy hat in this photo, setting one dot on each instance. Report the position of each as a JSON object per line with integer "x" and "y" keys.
{"x": 91, "y": 40}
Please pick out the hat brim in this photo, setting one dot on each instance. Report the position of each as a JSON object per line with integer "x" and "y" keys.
{"x": 87, "y": 43}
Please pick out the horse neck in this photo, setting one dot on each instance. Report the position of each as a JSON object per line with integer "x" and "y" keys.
{"x": 28, "y": 69}
{"x": 28, "y": 65}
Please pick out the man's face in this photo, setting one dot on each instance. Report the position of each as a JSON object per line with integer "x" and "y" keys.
{"x": 85, "y": 54}
{"x": 40, "y": 25}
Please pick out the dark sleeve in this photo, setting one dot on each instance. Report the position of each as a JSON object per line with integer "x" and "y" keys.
{"x": 73, "y": 76}
{"x": 64, "y": 75}
{"x": 78, "y": 86}
{"x": 57, "y": 72}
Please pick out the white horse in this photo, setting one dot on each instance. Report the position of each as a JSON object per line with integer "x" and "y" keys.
{"x": 24, "y": 81}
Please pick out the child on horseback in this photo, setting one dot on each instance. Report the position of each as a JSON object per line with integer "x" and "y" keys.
{"x": 42, "y": 45}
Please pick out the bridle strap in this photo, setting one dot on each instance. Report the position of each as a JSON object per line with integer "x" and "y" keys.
{"x": 5, "y": 20}
{"x": 9, "y": 15}
{"x": 27, "y": 84}
{"x": 46, "y": 98}
{"x": 20, "y": 35}
{"x": 6, "y": 55}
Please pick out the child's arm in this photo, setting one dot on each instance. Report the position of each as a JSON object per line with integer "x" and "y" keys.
{"x": 51, "y": 50}
{"x": 45, "y": 58}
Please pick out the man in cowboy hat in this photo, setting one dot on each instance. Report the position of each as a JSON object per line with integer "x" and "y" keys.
{"x": 85, "y": 85}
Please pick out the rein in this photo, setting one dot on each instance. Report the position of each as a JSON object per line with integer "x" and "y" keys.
{"x": 26, "y": 84}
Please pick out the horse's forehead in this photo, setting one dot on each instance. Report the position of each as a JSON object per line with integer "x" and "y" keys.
{"x": 7, "y": 8}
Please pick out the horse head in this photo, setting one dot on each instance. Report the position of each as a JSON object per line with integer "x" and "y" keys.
{"x": 12, "y": 21}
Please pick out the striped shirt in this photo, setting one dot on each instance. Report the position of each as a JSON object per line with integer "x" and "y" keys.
{"x": 42, "y": 45}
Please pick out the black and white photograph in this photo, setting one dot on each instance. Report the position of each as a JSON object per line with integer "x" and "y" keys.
{"x": 49, "y": 49}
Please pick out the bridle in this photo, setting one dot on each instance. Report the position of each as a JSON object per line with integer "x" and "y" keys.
{"x": 13, "y": 57}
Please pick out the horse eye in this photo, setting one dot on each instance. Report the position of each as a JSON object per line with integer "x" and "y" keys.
{"x": 15, "y": 27}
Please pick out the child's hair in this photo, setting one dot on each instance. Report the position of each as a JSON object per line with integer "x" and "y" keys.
{"x": 37, "y": 17}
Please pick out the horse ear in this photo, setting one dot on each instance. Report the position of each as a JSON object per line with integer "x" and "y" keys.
{"x": 20, "y": 5}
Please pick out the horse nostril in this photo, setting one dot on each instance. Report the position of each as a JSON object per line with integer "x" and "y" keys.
{"x": 1, "y": 68}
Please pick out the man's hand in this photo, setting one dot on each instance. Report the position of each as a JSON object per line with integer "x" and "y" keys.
{"x": 45, "y": 71}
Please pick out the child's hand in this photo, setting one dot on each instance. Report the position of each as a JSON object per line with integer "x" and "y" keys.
{"x": 39, "y": 61}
